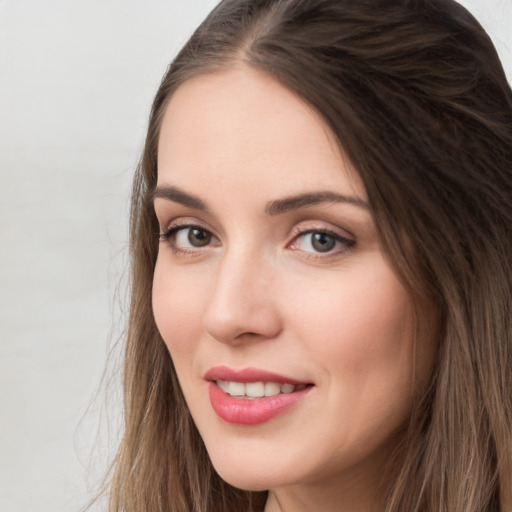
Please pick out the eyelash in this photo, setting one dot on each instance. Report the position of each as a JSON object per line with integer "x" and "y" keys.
{"x": 173, "y": 230}
{"x": 169, "y": 235}
{"x": 347, "y": 243}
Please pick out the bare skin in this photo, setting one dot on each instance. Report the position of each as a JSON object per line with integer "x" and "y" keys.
{"x": 260, "y": 267}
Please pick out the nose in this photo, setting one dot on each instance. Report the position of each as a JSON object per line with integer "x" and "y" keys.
{"x": 243, "y": 305}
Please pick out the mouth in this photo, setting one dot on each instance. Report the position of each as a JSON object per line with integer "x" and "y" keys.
{"x": 251, "y": 396}
{"x": 253, "y": 390}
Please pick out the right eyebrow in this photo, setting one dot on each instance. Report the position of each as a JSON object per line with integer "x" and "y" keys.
{"x": 177, "y": 195}
{"x": 287, "y": 204}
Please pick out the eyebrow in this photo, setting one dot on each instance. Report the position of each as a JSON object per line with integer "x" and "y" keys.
{"x": 310, "y": 199}
{"x": 178, "y": 196}
{"x": 277, "y": 207}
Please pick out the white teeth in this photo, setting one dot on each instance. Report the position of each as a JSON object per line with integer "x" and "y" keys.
{"x": 236, "y": 388}
{"x": 223, "y": 385}
{"x": 272, "y": 389}
{"x": 256, "y": 389}
{"x": 287, "y": 388}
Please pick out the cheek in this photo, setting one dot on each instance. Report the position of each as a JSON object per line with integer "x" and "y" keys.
{"x": 367, "y": 358}
{"x": 177, "y": 308}
{"x": 360, "y": 330}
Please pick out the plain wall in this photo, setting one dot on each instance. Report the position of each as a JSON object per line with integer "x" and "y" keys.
{"x": 76, "y": 82}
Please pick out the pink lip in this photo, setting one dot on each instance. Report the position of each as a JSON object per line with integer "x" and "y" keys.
{"x": 242, "y": 411}
{"x": 249, "y": 375}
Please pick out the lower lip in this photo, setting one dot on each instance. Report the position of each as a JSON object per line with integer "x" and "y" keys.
{"x": 252, "y": 411}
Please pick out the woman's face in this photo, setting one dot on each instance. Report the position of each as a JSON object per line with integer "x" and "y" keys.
{"x": 270, "y": 281}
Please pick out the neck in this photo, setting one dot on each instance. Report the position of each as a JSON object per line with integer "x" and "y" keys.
{"x": 295, "y": 500}
{"x": 358, "y": 489}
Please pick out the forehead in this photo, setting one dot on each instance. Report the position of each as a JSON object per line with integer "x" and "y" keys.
{"x": 242, "y": 125}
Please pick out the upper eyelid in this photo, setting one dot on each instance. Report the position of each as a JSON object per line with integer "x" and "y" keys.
{"x": 348, "y": 240}
{"x": 299, "y": 228}
{"x": 173, "y": 230}
{"x": 169, "y": 237}
{"x": 339, "y": 238}
{"x": 321, "y": 227}
{"x": 185, "y": 222}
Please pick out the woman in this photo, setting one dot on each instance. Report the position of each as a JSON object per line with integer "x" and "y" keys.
{"x": 321, "y": 238}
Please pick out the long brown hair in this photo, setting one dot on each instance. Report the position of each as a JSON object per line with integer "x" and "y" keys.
{"x": 417, "y": 97}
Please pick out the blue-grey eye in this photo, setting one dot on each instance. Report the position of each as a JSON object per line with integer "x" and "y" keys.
{"x": 322, "y": 242}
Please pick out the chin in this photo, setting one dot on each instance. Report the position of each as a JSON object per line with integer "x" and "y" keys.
{"x": 250, "y": 482}
{"x": 250, "y": 474}
{"x": 246, "y": 484}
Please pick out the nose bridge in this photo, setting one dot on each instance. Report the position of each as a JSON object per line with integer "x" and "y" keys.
{"x": 242, "y": 301}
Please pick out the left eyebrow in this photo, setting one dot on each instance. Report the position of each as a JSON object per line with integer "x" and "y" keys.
{"x": 287, "y": 204}
{"x": 178, "y": 196}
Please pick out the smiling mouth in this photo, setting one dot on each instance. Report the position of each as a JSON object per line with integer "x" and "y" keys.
{"x": 252, "y": 396}
{"x": 246, "y": 403}
{"x": 253, "y": 390}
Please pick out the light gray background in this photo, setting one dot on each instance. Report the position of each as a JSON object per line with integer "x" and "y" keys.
{"x": 76, "y": 82}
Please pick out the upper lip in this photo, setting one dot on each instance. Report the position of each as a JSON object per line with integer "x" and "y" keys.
{"x": 249, "y": 375}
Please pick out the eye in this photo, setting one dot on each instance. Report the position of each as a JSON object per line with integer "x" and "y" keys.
{"x": 196, "y": 237}
{"x": 320, "y": 242}
{"x": 188, "y": 238}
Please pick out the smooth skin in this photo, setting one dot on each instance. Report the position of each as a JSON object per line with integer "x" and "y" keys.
{"x": 244, "y": 279}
